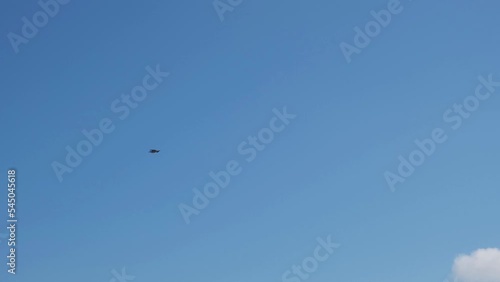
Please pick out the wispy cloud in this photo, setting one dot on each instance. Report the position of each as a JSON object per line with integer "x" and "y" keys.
{"x": 483, "y": 265}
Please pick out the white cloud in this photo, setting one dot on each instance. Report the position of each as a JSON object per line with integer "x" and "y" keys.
{"x": 482, "y": 265}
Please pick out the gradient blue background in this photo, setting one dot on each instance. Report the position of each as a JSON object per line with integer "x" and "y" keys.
{"x": 322, "y": 175}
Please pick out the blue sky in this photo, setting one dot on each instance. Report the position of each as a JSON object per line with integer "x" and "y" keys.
{"x": 322, "y": 175}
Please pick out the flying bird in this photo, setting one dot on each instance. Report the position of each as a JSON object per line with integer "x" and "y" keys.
{"x": 153, "y": 151}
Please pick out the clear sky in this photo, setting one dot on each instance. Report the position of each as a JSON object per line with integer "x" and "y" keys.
{"x": 321, "y": 175}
